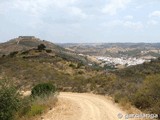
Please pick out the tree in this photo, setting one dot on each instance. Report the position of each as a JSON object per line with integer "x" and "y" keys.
{"x": 41, "y": 47}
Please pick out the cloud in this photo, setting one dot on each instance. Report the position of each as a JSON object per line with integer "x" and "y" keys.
{"x": 126, "y": 24}
{"x": 78, "y": 12}
{"x": 41, "y": 13}
{"x": 37, "y": 11}
{"x": 36, "y": 7}
{"x": 133, "y": 25}
{"x": 128, "y": 17}
{"x": 155, "y": 14}
{"x": 48, "y": 18}
{"x": 63, "y": 3}
{"x": 3, "y": 5}
{"x": 152, "y": 22}
{"x": 114, "y": 6}
{"x": 113, "y": 23}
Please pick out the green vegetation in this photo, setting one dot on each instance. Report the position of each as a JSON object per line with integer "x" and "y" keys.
{"x": 15, "y": 107}
{"x": 9, "y": 100}
{"x": 141, "y": 85}
{"x": 72, "y": 65}
{"x": 41, "y": 47}
{"x": 37, "y": 105}
{"x": 12, "y": 54}
{"x": 36, "y": 110}
{"x": 43, "y": 89}
{"x": 49, "y": 51}
{"x": 150, "y": 89}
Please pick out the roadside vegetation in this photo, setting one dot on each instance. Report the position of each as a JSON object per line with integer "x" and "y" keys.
{"x": 15, "y": 106}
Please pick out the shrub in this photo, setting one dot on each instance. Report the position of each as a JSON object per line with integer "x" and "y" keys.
{"x": 43, "y": 89}
{"x": 156, "y": 108}
{"x": 141, "y": 101}
{"x": 148, "y": 95}
{"x": 48, "y": 51}
{"x": 117, "y": 97}
{"x": 3, "y": 55}
{"x": 79, "y": 65}
{"x": 25, "y": 52}
{"x": 41, "y": 47}
{"x": 80, "y": 72}
{"x": 72, "y": 65}
{"x": 12, "y": 54}
{"x": 9, "y": 101}
{"x": 26, "y": 104}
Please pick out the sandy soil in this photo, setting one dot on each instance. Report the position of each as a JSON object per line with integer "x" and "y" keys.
{"x": 83, "y": 106}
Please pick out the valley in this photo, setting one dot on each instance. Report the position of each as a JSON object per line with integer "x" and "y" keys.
{"x": 112, "y": 56}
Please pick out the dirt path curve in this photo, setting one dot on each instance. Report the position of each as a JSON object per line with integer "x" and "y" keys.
{"x": 83, "y": 106}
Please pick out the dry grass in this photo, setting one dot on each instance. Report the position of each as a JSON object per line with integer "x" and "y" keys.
{"x": 41, "y": 106}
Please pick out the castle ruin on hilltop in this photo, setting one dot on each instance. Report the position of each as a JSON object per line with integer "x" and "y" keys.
{"x": 26, "y": 37}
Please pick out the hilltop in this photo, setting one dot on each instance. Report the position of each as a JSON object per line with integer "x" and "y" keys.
{"x": 23, "y": 43}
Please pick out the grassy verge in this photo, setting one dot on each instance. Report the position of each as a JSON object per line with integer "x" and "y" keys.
{"x": 37, "y": 107}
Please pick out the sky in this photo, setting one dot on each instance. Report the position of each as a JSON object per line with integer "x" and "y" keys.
{"x": 81, "y": 21}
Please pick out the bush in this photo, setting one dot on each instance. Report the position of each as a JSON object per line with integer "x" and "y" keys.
{"x": 48, "y": 51}
{"x": 26, "y": 104}
{"x": 12, "y": 54}
{"x": 79, "y": 65}
{"x": 41, "y": 47}
{"x": 80, "y": 72}
{"x": 148, "y": 95}
{"x": 117, "y": 97}
{"x": 9, "y": 101}
{"x": 43, "y": 89}
{"x": 25, "y": 52}
{"x": 141, "y": 101}
{"x": 156, "y": 109}
{"x": 72, "y": 65}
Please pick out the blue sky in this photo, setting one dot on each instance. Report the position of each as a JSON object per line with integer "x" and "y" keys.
{"x": 81, "y": 21}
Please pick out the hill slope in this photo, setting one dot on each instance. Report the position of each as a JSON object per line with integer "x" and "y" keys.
{"x": 30, "y": 67}
{"x": 23, "y": 44}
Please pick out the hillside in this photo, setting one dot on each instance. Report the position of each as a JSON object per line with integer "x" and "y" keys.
{"x": 33, "y": 66}
{"x": 136, "y": 85}
{"x": 25, "y": 43}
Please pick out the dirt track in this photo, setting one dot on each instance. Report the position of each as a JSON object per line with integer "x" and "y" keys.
{"x": 76, "y": 106}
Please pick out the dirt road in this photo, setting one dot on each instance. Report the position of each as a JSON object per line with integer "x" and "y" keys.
{"x": 79, "y": 106}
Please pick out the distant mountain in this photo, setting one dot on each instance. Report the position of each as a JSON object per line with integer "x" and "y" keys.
{"x": 115, "y": 49}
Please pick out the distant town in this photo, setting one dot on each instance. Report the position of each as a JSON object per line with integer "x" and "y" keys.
{"x": 122, "y": 61}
